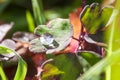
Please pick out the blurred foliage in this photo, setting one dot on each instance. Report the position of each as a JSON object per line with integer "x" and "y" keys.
{"x": 38, "y": 12}
{"x": 17, "y": 17}
{"x": 92, "y": 1}
{"x": 14, "y": 11}
{"x": 3, "y": 5}
{"x": 112, "y": 72}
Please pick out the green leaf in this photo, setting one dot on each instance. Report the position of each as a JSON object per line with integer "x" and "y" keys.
{"x": 22, "y": 66}
{"x": 36, "y": 46}
{"x": 50, "y": 70}
{"x": 5, "y": 50}
{"x": 30, "y": 21}
{"x": 95, "y": 18}
{"x": 84, "y": 63}
{"x": 21, "y": 70}
{"x": 5, "y": 53}
{"x": 87, "y": 60}
{"x": 91, "y": 58}
{"x": 58, "y": 32}
{"x": 2, "y": 74}
{"x": 69, "y": 64}
{"x": 38, "y": 12}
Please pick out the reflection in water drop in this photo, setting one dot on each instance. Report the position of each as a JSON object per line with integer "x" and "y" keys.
{"x": 48, "y": 41}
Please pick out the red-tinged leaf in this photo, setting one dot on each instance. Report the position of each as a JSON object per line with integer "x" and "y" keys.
{"x": 76, "y": 23}
{"x": 35, "y": 78}
{"x": 78, "y": 11}
{"x": 66, "y": 50}
{"x": 4, "y": 29}
{"x": 38, "y": 59}
{"x": 74, "y": 46}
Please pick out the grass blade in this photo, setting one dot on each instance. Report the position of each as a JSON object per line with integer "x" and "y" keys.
{"x": 38, "y": 12}
{"x": 100, "y": 66}
{"x": 30, "y": 21}
{"x": 2, "y": 74}
{"x": 21, "y": 70}
{"x": 112, "y": 71}
{"x": 22, "y": 66}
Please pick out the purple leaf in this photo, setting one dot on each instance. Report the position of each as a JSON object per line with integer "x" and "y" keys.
{"x": 4, "y": 28}
{"x": 24, "y": 37}
{"x": 9, "y": 43}
{"x": 90, "y": 40}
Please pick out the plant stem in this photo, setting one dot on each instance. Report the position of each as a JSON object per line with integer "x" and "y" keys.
{"x": 110, "y": 43}
{"x": 108, "y": 69}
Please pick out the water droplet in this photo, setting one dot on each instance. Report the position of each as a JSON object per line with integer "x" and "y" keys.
{"x": 46, "y": 39}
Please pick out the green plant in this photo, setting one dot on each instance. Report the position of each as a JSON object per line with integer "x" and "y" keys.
{"x": 95, "y": 58}
{"x": 22, "y": 66}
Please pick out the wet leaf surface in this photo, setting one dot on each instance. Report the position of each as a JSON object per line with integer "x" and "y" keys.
{"x": 61, "y": 31}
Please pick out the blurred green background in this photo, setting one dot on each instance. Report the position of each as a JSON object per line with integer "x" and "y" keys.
{"x": 15, "y": 11}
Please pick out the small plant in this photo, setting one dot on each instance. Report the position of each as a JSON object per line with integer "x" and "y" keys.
{"x": 22, "y": 66}
{"x": 85, "y": 46}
